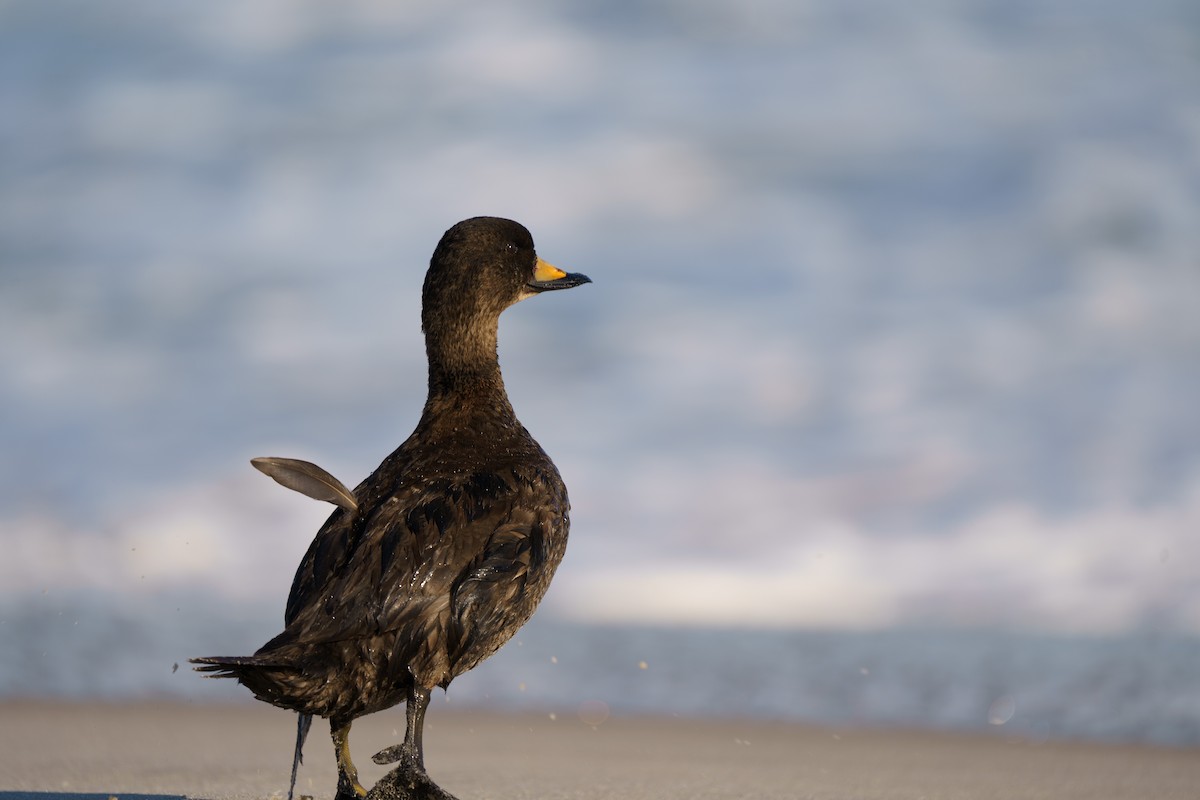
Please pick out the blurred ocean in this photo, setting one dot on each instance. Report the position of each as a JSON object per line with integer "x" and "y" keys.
{"x": 881, "y": 409}
{"x": 1133, "y": 688}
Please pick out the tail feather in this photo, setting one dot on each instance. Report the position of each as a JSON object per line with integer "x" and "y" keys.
{"x": 303, "y": 723}
{"x": 271, "y": 678}
{"x": 234, "y": 666}
{"x": 217, "y": 667}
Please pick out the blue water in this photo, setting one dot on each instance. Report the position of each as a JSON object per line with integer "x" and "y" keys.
{"x": 1138, "y": 688}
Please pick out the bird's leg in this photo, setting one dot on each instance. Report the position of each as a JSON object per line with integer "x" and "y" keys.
{"x": 411, "y": 753}
{"x": 409, "y": 781}
{"x": 414, "y": 716}
{"x": 348, "y": 787}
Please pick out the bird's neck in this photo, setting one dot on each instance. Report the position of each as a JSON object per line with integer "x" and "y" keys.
{"x": 464, "y": 372}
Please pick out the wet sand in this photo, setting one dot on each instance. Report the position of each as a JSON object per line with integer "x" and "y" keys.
{"x": 53, "y": 751}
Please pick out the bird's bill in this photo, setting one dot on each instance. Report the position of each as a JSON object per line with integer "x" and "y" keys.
{"x": 547, "y": 277}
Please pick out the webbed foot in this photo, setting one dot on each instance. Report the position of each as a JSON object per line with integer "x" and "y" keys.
{"x": 351, "y": 794}
{"x": 349, "y": 789}
{"x": 409, "y": 781}
{"x": 390, "y": 755}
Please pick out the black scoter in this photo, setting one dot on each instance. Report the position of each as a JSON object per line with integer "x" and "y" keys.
{"x": 435, "y": 560}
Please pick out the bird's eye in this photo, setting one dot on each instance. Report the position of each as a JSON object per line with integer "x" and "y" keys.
{"x": 510, "y": 248}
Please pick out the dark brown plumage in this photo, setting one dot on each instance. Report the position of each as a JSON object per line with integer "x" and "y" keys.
{"x": 440, "y": 555}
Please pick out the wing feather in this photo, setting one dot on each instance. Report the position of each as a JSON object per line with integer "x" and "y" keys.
{"x": 307, "y": 479}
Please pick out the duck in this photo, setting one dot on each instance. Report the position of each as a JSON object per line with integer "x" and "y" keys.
{"x": 432, "y": 563}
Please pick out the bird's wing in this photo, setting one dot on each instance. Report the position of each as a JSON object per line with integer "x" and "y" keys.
{"x": 499, "y": 589}
{"x": 442, "y": 545}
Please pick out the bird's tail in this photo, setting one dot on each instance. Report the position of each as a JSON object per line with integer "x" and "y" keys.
{"x": 228, "y": 666}
{"x": 303, "y": 723}
{"x": 269, "y": 677}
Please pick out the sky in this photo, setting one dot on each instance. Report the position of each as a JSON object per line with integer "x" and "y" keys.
{"x": 893, "y": 318}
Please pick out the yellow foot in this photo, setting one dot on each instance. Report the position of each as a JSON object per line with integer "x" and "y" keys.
{"x": 350, "y": 790}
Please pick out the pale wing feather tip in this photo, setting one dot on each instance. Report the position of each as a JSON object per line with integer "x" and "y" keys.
{"x": 307, "y": 479}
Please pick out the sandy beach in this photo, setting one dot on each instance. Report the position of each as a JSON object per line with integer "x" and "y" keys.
{"x": 54, "y": 751}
